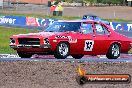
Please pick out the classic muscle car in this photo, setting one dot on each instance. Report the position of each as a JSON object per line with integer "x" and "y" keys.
{"x": 75, "y": 38}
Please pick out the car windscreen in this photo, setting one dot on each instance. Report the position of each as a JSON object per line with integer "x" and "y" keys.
{"x": 64, "y": 27}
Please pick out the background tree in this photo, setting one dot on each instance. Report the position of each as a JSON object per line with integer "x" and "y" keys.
{"x": 90, "y": 1}
{"x": 121, "y": 2}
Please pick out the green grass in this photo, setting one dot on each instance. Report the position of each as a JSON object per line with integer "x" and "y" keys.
{"x": 41, "y": 16}
{"x": 130, "y": 51}
{"x": 58, "y": 17}
{"x": 5, "y": 33}
{"x": 118, "y": 20}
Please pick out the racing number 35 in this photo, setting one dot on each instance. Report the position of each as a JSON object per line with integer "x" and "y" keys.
{"x": 88, "y": 45}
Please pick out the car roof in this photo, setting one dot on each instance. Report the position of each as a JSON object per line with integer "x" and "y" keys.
{"x": 77, "y": 21}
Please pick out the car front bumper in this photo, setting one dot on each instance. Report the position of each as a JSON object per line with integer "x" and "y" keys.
{"x": 30, "y": 46}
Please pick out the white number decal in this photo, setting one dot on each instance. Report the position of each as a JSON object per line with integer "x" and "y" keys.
{"x": 88, "y": 45}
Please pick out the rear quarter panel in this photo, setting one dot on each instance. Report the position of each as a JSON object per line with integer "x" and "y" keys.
{"x": 124, "y": 42}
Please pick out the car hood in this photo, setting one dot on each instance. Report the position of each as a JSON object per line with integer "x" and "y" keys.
{"x": 37, "y": 35}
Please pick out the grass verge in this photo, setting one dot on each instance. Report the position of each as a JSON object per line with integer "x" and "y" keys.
{"x": 5, "y": 33}
{"x": 41, "y": 16}
{"x": 57, "y": 17}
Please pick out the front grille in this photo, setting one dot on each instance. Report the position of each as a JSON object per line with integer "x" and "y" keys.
{"x": 29, "y": 41}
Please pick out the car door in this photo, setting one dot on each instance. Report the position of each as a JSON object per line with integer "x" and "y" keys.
{"x": 86, "y": 42}
{"x": 101, "y": 39}
{"x": 94, "y": 39}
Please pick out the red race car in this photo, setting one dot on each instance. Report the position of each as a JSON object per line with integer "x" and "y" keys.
{"x": 75, "y": 38}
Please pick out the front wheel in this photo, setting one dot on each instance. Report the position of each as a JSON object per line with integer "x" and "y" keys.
{"x": 62, "y": 50}
{"x": 114, "y": 51}
{"x": 24, "y": 55}
{"x": 77, "y": 56}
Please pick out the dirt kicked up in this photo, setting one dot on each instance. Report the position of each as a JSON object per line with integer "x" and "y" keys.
{"x": 50, "y": 74}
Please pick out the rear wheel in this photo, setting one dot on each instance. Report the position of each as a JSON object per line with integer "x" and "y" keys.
{"x": 62, "y": 50}
{"x": 77, "y": 56}
{"x": 24, "y": 55}
{"x": 114, "y": 51}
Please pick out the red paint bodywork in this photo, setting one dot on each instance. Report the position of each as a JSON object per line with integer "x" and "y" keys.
{"x": 100, "y": 47}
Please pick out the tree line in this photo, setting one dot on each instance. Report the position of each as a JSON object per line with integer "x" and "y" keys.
{"x": 121, "y": 2}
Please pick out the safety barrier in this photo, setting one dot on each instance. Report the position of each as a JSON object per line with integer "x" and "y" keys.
{"x": 42, "y": 23}
{"x": 126, "y": 26}
{"x": 26, "y": 22}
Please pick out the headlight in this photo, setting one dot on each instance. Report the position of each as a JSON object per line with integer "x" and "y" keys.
{"x": 12, "y": 41}
{"x": 46, "y": 41}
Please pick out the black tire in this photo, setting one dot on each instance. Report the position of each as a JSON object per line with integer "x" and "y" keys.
{"x": 62, "y": 50}
{"x": 24, "y": 55}
{"x": 114, "y": 51}
{"x": 77, "y": 56}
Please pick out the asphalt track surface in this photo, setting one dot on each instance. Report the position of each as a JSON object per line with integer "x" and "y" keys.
{"x": 86, "y": 58}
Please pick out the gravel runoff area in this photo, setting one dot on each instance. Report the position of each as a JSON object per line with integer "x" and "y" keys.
{"x": 112, "y": 12}
{"x": 46, "y": 74}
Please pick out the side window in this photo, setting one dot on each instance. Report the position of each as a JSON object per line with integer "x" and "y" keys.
{"x": 100, "y": 29}
{"x": 56, "y": 27}
{"x": 87, "y": 28}
{"x": 105, "y": 30}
